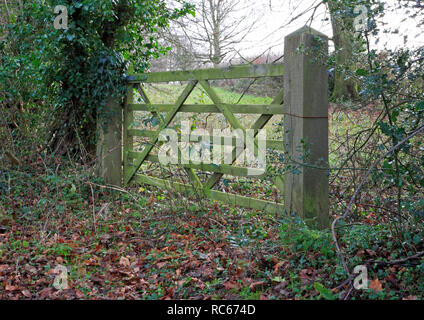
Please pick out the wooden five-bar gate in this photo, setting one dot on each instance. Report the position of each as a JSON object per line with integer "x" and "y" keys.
{"x": 303, "y": 101}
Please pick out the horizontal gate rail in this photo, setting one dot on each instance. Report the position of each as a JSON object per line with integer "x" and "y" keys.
{"x": 270, "y": 144}
{"x": 270, "y": 109}
{"x": 221, "y": 168}
{"x": 232, "y": 72}
{"x": 232, "y": 199}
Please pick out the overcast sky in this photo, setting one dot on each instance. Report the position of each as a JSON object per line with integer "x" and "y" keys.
{"x": 276, "y": 14}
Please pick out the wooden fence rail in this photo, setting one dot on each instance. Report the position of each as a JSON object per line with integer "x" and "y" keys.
{"x": 305, "y": 111}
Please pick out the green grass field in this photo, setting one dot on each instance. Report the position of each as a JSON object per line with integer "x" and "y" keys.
{"x": 168, "y": 93}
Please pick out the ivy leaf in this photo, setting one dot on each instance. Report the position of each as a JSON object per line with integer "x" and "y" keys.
{"x": 325, "y": 293}
{"x": 361, "y": 72}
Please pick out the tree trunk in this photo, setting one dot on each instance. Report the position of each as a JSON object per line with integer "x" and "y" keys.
{"x": 344, "y": 87}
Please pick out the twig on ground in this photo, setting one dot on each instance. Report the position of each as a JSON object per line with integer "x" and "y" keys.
{"x": 398, "y": 261}
{"x": 94, "y": 211}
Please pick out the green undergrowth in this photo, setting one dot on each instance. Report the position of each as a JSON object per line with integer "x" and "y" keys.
{"x": 154, "y": 244}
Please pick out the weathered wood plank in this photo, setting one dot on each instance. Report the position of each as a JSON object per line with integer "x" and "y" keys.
{"x": 128, "y": 144}
{"x": 211, "y": 108}
{"x": 222, "y": 168}
{"x": 197, "y": 184}
{"x": 232, "y": 72}
{"x": 232, "y": 199}
{"x": 306, "y": 133}
{"x": 109, "y": 162}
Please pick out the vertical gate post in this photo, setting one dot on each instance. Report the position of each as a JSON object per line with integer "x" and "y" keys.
{"x": 306, "y": 190}
{"x": 128, "y": 118}
{"x": 109, "y": 142}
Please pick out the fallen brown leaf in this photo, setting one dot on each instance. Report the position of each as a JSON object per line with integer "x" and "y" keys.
{"x": 3, "y": 267}
{"x": 411, "y": 298}
{"x": 10, "y": 288}
{"x": 124, "y": 262}
{"x": 278, "y": 265}
{"x": 46, "y": 292}
{"x": 255, "y": 285}
{"x": 30, "y": 269}
{"x": 230, "y": 285}
{"x": 26, "y": 293}
{"x": 376, "y": 285}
